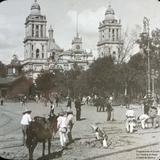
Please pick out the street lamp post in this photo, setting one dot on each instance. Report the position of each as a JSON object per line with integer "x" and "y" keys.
{"x": 146, "y": 30}
{"x": 154, "y": 76}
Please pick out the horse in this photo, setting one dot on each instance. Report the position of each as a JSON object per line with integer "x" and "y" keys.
{"x": 41, "y": 130}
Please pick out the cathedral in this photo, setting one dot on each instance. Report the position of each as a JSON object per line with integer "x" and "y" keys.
{"x": 42, "y": 52}
{"x": 76, "y": 55}
{"x": 110, "y": 41}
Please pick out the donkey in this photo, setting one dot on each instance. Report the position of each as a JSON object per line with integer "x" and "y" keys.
{"x": 41, "y": 130}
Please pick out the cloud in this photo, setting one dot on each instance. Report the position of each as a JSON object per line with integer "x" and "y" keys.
{"x": 62, "y": 15}
{"x": 88, "y": 20}
{"x": 11, "y": 35}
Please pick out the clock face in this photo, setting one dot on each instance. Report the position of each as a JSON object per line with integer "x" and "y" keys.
{"x": 77, "y": 47}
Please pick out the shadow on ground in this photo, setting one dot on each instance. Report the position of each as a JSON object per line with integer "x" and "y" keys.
{"x": 52, "y": 155}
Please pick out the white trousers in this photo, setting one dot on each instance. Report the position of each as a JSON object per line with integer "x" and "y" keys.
{"x": 144, "y": 124}
{"x": 63, "y": 138}
{"x": 130, "y": 124}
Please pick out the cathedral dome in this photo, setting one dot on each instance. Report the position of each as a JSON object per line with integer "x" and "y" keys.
{"x": 35, "y": 8}
{"x": 109, "y": 10}
{"x": 109, "y": 14}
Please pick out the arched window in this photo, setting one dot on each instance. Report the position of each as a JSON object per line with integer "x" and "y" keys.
{"x": 32, "y": 51}
{"x": 42, "y": 55}
{"x": 113, "y": 35}
{"x": 117, "y": 34}
{"x": 32, "y": 30}
{"x": 42, "y": 51}
{"x": 37, "y": 53}
{"x": 41, "y": 30}
{"x": 37, "y": 31}
{"x": 53, "y": 55}
{"x": 109, "y": 34}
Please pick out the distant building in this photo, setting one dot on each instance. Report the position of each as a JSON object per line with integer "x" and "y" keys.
{"x": 14, "y": 83}
{"x": 110, "y": 42}
{"x": 75, "y": 55}
{"x": 13, "y": 87}
{"x": 14, "y": 68}
{"x": 53, "y": 50}
{"x": 42, "y": 52}
{"x": 39, "y": 50}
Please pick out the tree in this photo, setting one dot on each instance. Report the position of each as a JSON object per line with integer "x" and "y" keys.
{"x": 101, "y": 75}
{"x": 152, "y": 44}
{"x": 72, "y": 80}
{"x": 60, "y": 82}
{"x": 137, "y": 76}
{"x": 45, "y": 83}
{"x": 129, "y": 43}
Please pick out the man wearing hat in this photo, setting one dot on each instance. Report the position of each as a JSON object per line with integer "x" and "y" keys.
{"x": 25, "y": 121}
{"x": 130, "y": 120}
{"x": 69, "y": 123}
{"x": 69, "y": 103}
{"x": 62, "y": 128}
{"x": 100, "y": 135}
{"x": 78, "y": 108}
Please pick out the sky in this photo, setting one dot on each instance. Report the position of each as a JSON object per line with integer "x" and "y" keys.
{"x": 61, "y": 14}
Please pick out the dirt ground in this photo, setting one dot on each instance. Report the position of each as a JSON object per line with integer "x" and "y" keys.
{"x": 141, "y": 145}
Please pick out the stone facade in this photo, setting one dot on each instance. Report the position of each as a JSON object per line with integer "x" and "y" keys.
{"x": 42, "y": 52}
{"x": 110, "y": 42}
{"x": 38, "y": 48}
{"x": 75, "y": 55}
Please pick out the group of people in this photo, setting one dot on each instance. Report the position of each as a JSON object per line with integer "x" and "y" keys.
{"x": 104, "y": 104}
{"x": 150, "y": 117}
{"x": 64, "y": 124}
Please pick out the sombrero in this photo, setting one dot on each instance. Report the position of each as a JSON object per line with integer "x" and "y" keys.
{"x": 69, "y": 112}
{"x": 27, "y": 111}
{"x": 61, "y": 113}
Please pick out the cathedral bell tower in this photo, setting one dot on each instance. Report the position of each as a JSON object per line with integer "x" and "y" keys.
{"x": 35, "y": 41}
{"x": 77, "y": 41}
{"x": 110, "y": 42}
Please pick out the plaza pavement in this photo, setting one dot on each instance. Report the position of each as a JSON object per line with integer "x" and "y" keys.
{"x": 123, "y": 145}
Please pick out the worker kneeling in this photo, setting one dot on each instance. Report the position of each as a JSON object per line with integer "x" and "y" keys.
{"x": 130, "y": 120}
{"x": 143, "y": 119}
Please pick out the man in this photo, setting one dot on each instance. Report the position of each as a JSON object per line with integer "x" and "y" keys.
{"x": 147, "y": 104}
{"x": 143, "y": 119}
{"x": 102, "y": 104}
{"x": 57, "y": 100}
{"x": 51, "y": 109}
{"x": 100, "y": 135}
{"x": 69, "y": 124}
{"x": 78, "y": 108}
{"x": 109, "y": 109}
{"x": 62, "y": 128}
{"x": 69, "y": 103}
{"x": 25, "y": 121}
{"x": 158, "y": 115}
{"x": 130, "y": 121}
{"x": 126, "y": 101}
{"x": 153, "y": 115}
{"x": 98, "y": 104}
{"x": 2, "y": 101}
